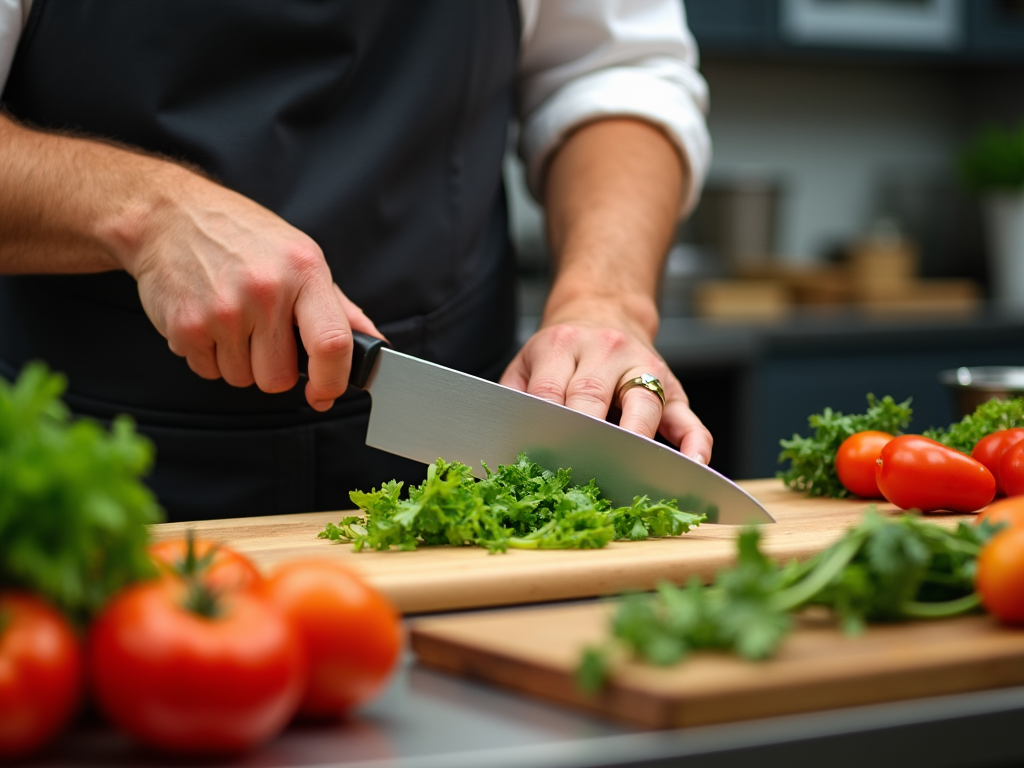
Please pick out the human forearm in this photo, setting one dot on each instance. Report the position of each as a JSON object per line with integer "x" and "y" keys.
{"x": 223, "y": 279}
{"x": 72, "y": 205}
{"x": 612, "y": 194}
{"x": 612, "y": 197}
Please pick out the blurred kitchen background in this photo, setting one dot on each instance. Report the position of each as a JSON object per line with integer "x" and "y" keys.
{"x": 835, "y": 251}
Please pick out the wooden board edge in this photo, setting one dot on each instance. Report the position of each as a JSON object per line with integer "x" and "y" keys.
{"x": 546, "y": 683}
{"x": 651, "y": 709}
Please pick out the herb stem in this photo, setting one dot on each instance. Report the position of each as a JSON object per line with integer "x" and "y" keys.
{"x": 524, "y": 543}
{"x": 793, "y": 597}
{"x": 919, "y": 610}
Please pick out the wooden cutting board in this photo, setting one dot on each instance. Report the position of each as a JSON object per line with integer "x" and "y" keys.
{"x": 535, "y": 650}
{"x": 448, "y": 578}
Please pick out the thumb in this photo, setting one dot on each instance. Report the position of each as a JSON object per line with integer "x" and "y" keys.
{"x": 327, "y": 338}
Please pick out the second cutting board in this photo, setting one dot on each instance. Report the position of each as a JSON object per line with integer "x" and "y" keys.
{"x": 536, "y": 651}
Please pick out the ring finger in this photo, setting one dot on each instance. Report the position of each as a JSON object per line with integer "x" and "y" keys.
{"x": 641, "y": 407}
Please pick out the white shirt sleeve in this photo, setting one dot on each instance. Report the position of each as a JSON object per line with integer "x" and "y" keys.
{"x": 582, "y": 60}
{"x": 13, "y": 15}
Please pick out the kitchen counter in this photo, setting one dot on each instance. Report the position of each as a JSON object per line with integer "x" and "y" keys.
{"x": 430, "y": 720}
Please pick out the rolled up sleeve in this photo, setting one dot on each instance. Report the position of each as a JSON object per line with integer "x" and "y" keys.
{"x": 13, "y": 15}
{"x": 584, "y": 60}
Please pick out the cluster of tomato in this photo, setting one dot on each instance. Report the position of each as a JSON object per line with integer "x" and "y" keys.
{"x": 209, "y": 658}
{"x": 914, "y": 472}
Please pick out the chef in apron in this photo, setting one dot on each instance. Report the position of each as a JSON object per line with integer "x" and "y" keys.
{"x": 193, "y": 191}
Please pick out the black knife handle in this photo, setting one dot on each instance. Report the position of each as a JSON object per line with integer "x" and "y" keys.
{"x": 364, "y": 353}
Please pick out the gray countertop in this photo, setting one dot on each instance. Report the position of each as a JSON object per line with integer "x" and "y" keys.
{"x": 431, "y": 720}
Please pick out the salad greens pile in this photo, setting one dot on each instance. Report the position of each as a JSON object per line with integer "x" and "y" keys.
{"x": 884, "y": 569}
{"x": 812, "y": 459}
{"x": 519, "y": 506}
{"x": 72, "y": 508}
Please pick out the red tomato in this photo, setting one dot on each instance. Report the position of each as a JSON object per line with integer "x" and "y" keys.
{"x": 915, "y": 472}
{"x": 1011, "y": 469}
{"x": 186, "y": 683}
{"x": 856, "y": 461}
{"x": 1000, "y": 576}
{"x": 990, "y": 449}
{"x": 353, "y": 634}
{"x": 40, "y": 673}
{"x": 228, "y": 570}
{"x": 1008, "y": 512}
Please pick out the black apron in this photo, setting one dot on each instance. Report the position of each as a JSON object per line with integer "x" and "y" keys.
{"x": 377, "y": 127}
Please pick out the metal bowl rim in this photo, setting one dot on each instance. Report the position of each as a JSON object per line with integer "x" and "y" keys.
{"x": 986, "y": 377}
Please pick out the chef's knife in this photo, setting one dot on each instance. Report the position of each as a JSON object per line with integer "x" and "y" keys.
{"x": 424, "y": 411}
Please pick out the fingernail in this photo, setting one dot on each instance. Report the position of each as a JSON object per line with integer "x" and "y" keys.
{"x": 699, "y": 457}
{"x": 323, "y": 405}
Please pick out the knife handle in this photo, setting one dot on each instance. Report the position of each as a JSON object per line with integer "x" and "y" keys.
{"x": 364, "y": 352}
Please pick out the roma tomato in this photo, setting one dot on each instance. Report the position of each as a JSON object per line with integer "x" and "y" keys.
{"x": 857, "y": 459}
{"x": 1000, "y": 576}
{"x": 1011, "y": 469}
{"x": 916, "y": 472}
{"x": 192, "y": 674}
{"x": 990, "y": 449}
{"x": 352, "y": 633}
{"x": 1008, "y": 512}
{"x": 223, "y": 570}
{"x": 40, "y": 673}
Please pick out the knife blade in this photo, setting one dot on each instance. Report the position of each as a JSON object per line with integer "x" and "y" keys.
{"x": 424, "y": 411}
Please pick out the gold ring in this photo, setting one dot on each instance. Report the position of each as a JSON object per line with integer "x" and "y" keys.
{"x": 648, "y": 382}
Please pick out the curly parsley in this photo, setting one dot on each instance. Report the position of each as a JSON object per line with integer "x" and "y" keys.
{"x": 987, "y": 418}
{"x": 518, "y": 506}
{"x": 812, "y": 459}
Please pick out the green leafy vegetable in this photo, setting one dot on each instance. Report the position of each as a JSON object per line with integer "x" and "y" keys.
{"x": 520, "y": 506}
{"x": 812, "y": 459}
{"x": 995, "y": 160}
{"x": 987, "y": 418}
{"x": 883, "y": 569}
{"x": 72, "y": 508}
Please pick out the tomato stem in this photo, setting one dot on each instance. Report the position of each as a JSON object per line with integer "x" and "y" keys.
{"x": 201, "y": 599}
{"x": 191, "y": 565}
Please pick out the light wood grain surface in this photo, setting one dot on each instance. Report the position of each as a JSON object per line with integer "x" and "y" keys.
{"x": 447, "y": 578}
{"x": 535, "y": 650}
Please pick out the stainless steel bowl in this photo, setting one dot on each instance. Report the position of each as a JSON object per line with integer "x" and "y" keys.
{"x": 973, "y": 386}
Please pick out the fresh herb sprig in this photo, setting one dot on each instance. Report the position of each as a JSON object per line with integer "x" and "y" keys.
{"x": 987, "y": 418}
{"x": 72, "y": 507}
{"x": 517, "y": 506}
{"x": 883, "y": 569}
{"x": 812, "y": 459}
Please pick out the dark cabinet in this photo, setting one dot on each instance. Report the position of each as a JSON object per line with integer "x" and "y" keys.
{"x": 996, "y": 29}
{"x": 733, "y": 25}
{"x": 989, "y": 31}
